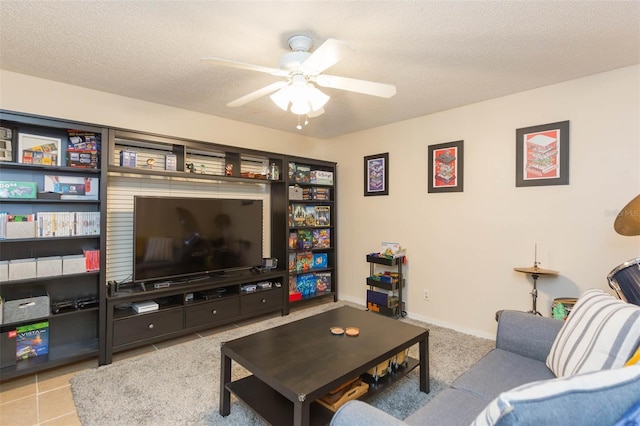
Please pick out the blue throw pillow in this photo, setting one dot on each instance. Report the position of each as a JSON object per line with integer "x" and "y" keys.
{"x": 590, "y": 399}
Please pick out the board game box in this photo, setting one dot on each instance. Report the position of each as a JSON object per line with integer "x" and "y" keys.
{"x": 32, "y": 340}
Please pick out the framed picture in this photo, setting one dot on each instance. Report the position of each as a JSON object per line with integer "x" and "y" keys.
{"x": 542, "y": 155}
{"x": 376, "y": 174}
{"x": 446, "y": 167}
{"x": 36, "y": 149}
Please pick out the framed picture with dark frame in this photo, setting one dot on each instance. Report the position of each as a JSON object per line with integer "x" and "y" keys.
{"x": 446, "y": 167}
{"x": 376, "y": 174}
{"x": 542, "y": 155}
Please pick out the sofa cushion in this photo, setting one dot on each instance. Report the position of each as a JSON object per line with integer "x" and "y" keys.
{"x": 498, "y": 371}
{"x": 601, "y": 332}
{"x": 451, "y": 407}
{"x": 589, "y": 399}
{"x": 358, "y": 413}
{"x": 631, "y": 417}
{"x": 525, "y": 334}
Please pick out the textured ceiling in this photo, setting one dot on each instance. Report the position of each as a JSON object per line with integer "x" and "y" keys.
{"x": 439, "y": 54}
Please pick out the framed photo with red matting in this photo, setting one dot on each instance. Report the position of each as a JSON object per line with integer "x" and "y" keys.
{"x": 542, "y": 155}
{"x": 446, "y": 167}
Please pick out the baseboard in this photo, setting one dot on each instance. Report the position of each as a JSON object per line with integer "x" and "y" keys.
{"x": 434, "y": 321}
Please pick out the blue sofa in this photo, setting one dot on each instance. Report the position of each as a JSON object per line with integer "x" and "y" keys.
{"x": 523, "y": 343}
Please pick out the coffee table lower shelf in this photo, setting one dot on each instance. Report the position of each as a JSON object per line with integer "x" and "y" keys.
{"x": 275, "y": 409}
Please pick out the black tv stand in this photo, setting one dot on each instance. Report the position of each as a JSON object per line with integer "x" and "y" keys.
{"x": 190, "y": 305}
{"x": 209, "y": 275}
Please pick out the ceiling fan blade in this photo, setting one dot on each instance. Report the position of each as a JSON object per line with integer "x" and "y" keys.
{"x": 245, "y": 66}
{"x": 257, "y": 94}
{"x": 354, "y": 85}
{"x": 325, "y": 56}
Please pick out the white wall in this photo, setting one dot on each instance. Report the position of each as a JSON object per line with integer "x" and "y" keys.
{"x": 463, "y": 247}
{"x": 22, "y": 93}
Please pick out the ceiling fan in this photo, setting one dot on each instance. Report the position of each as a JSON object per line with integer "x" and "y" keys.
{"x": 301, "y": 68}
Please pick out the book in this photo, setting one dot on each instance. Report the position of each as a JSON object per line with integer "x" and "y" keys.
{"x": 303, "y": 173}
{"x": 299, "y": 215}
{"x": 304, "y": 261}
{"x": 321, "y": 238}
{"x": 323, "y": 215}
{"x": 292, "y": 284}
{"x": 320, "y": 260}
{"x": 92, "y": 258}
{"x": 32, "y": 340}
{"x": 306, "y": 284}
{"x": 323, "y": 281}
{"x": 293, "y": 240}
{"x": 293, "y": 262}
{"x": 310, "y": 216}
{"x": 305, "y": 239}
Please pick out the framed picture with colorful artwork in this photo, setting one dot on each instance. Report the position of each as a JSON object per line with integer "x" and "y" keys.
{"x": 376, "y": 174}
{"x": 542, "y": 155}
{"x": 446, "y": 167}
{"x": 37, "y": 149}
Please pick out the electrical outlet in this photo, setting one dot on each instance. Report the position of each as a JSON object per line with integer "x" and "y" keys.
{"x": 426, "y": 294}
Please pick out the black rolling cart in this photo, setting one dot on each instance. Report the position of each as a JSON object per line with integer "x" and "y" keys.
{"x": 385, "y": 285}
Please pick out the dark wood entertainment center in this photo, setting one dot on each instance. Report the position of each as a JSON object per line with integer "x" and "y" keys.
{"x": 184, "y": 306}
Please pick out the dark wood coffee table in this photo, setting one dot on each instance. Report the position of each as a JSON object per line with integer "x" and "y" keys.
{"x": 294, "y": 364}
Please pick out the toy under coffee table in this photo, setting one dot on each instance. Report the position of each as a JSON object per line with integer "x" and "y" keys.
{"x": 296, "y": 363}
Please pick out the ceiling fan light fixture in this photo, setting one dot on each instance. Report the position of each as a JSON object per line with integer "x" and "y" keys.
{"x": 300, "y": 107}
{"x": 317, "y": 98}
{"x": 303, "y": 98}
{"x": 282, "y": 98}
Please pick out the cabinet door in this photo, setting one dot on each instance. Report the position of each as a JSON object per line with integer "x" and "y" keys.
{"x": 146, "y": 326}
{"x": 211, "y": 313}
{"x": 264, "y": 300}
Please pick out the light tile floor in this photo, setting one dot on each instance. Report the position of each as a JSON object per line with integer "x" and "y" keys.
{"x": 45, "y": 398}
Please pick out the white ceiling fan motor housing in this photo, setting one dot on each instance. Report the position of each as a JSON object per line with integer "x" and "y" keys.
{"x": 300, "y": 46}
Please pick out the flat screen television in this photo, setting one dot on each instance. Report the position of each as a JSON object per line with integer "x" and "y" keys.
{"x": 177, "y": 237}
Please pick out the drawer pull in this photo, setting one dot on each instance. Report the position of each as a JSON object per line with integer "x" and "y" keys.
{"x": 214, "y": 312}
{"x": 150, "y": 326}
{"x": 264, "y": 300}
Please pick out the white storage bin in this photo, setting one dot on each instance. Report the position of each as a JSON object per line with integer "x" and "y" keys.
{"x": 4, "y": 271}
{"x": 74, "y": 264}
{"x": 21, "y": 230}
{"x": 49, "y": 266}
{"x": 22, "y": 269}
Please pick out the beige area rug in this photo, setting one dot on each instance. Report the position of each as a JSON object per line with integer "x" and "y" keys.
{"x": 179, "y": 385}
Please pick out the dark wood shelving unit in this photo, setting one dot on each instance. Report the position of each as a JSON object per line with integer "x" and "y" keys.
{"x": 97, "y": 333}
{"x": 73, "y": 335}
{"x": 297, "y": 179}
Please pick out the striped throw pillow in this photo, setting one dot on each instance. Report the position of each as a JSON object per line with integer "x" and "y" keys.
{"x": 601, "y": 333}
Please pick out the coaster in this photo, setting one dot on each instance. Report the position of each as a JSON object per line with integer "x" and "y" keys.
{"x": 352, "y": 331}
{"x": 337, "y": 330}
